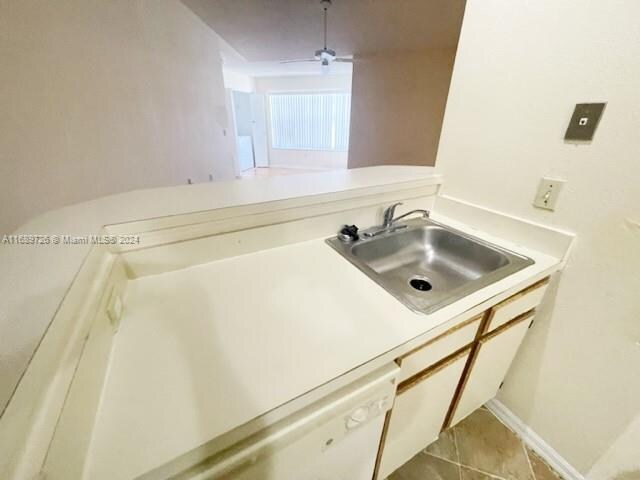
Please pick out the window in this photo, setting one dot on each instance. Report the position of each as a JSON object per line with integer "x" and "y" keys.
{"x": 310, "y": 121}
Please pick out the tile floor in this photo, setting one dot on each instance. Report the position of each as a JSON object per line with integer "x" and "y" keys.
{"x": 478, "y": 448}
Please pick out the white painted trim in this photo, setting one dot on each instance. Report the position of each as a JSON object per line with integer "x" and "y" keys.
{"x": 534, "y": 441}
{"x": 232, "y": 131}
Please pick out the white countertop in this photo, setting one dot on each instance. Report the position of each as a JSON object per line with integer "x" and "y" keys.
{"x": 203, "y": 350}
{"x": 35, "y": 279}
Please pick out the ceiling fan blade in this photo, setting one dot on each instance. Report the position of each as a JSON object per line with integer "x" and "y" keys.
{"x": 299, "y": 61}
{"x": 344, "y": 60}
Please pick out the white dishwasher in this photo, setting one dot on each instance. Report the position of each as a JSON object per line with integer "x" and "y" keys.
{"x": 335, "y": 438}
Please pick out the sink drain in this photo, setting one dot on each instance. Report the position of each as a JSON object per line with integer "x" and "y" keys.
{"x": 420, "y": 283}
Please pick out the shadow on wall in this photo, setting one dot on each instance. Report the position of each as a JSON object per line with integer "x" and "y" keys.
{"x": 518, "y": 391}
{"x": 84, "y": 117}
{"x": 397, "y": 107}
{"x": 630, "y": 475}
{"x": 533, "y": 357}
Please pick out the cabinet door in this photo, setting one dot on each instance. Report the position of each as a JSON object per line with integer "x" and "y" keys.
{"x": 495, "y": 354}
{"x": 418, "y": 413}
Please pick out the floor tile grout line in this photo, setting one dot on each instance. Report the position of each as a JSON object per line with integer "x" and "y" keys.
{"x": 526, "y": 454}
{"x": 551, "y": 469}
{"x": 455, "y": 447}
{"x": 463, "y": 465}
{"x": 490, "y": 475}
{"x": 490, "y": 413}
{"x": 524, "y": 445}
{"x": 448, "y": 460}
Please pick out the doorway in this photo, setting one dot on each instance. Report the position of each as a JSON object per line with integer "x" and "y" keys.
{"x": 250, "y": 130}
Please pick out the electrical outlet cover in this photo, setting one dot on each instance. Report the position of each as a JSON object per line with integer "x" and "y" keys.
{"x": 548, "y": 192}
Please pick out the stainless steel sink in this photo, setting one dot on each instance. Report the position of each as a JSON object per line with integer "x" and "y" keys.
{"x": 427, "y": 265}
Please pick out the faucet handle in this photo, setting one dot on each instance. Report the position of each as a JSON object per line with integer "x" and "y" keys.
{"x": 348, "y": 233}
{"x": 389, "y": 213}
{"x": 392, "y": 208}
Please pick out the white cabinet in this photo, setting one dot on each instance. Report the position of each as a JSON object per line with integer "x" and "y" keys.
{"x": 518, "y": 304}
{"x": 419, "y": 412}
{"x": 440, "y": 347}
{"x": 496, "y": 351}
{"x": 453, "y": 374}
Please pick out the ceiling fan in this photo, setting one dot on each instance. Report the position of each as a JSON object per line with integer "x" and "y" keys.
{"x": 325, "y": 55}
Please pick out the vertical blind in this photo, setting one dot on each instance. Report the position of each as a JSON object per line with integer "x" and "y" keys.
{"x": 310, "y": 121}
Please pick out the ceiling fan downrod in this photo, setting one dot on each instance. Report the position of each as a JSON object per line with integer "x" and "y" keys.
{"x": 325, "y": 4}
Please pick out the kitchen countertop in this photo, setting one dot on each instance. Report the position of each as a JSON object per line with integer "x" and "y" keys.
{"x": 203, "y": 350}
{"x": 35, "y": 279}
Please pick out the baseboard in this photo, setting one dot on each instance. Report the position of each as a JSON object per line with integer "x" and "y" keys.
{"x": 534, "y": 441}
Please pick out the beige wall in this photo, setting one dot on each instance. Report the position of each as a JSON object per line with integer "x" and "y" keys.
{"x": 234, "y": 79}
{"x": 306, "y": 159}
{"x": 105, "y": 96}
{"x": 238, "y": 81}
{"x": 520, "y": 69}
{"x": 397, "y": 106}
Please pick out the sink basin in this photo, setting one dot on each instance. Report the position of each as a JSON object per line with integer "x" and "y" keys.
{"x": 427, "y": 265}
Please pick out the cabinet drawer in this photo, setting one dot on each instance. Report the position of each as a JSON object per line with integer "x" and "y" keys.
{"x": 518, "y": 304}
{"x": 438, "y": 348}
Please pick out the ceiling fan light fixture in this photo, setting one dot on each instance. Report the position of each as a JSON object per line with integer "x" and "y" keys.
{"x": 324, "y": 67}
{"x": 326, "y": 56}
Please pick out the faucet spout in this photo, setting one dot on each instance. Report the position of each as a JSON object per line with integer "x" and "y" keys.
{"x": 389, "y": 220}
{"x": 423, "y": 214}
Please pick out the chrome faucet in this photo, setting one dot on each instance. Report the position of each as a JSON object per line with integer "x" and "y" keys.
{"x": 391, "y": 211}
{"x": 388, "y": 220}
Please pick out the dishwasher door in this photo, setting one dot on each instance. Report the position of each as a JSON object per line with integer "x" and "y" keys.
{"x": 336, "y": 438}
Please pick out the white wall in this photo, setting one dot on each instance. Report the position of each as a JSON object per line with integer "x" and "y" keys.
{"x": 397, "y": 107}
{"x": 520, "y": 68}
{"x": 301, "y": 83}
{"x": 306, "y": 159}
{"x": 238, "y": 81}
{"x": 233, "y": 64}
{"x": 104, "y": 97}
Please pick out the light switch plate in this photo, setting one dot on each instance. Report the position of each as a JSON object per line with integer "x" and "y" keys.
{"x": 584, "y": 121}
{"x": 548, "y": 192}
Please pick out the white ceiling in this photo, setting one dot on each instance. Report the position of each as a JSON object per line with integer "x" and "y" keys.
{"x": 232, "y": 60}
{"x": 276, "y": 69}
{"x": 274, "y": 30}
